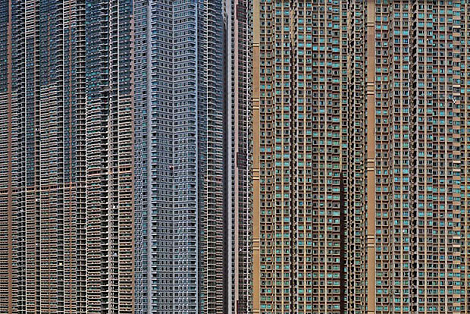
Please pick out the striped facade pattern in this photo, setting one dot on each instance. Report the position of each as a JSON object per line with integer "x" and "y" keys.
{"x": 362, "y": 157}
{"x": 420, "y": 84}
{"x": 302, "y": 149}
{"x": 40, "y": 149}
{"x": 67, "y": 196}
{"x": 180, "y": 157}
{"x": 239, "y": 159}
{"x": 109, "y": 156}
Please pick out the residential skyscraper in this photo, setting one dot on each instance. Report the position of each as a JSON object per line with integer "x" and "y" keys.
{"x": 110, "y": 156}
{"x": 39, "y": 185}
{"x": 300, "y": 60}
{"x": 360, "y": 156}
{"x": 71, "y": 240}
{"x": 67, "y": 155}
{"x": 419, "y": 84}
{"x": 180, "y": 157}
{"x": 8, "y": 286}
{"x": 142, "y": 106}
{"x": 238, "y": 130}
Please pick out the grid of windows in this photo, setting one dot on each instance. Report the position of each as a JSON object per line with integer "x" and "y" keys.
{"x": 68, "y": 183}
{"x": 239, "y": 151}
{"x": 401, "y": 70}
{"x": 180, "y": 143}
{"x": 39, "y": 183}
{"x": 303, "y": 139}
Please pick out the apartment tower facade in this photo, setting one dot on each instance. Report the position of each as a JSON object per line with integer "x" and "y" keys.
{"x": 67, "y": 185}
{"x": 299, "y": 101}
{"x": 180, "y": 157}
{"x": 239, "y": 139}
{"x": 39, "y": 186}
{"x": 360, "y": 156}
{"x": 421, "y": 85}
{"x": 109, "y": 151}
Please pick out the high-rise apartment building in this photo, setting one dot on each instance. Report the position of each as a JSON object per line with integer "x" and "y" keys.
{"x": 67, "y": 157}
{"x": 8, "y": 287}
{"x": 299, "y": 102}
{"x": 142, "y": 105}
{"x": 180, "y": 156}
{"x": 38, "y": 182}
{"x": 360, "y": 156}
{"x": 419, "y": 84}
{"x": 71, "y": 241}
{"x": 110, "y": 156}
{"x": 238, "y": 130}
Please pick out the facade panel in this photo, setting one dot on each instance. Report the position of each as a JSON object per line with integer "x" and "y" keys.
{"x": 361, "y": 112}
{"x": 302, "y": 150}
{"x": 238, "y": 117}
{"x": 180, "y": 153}
{"x": 109, "y": 156}
{"x": 58, "y": 225}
